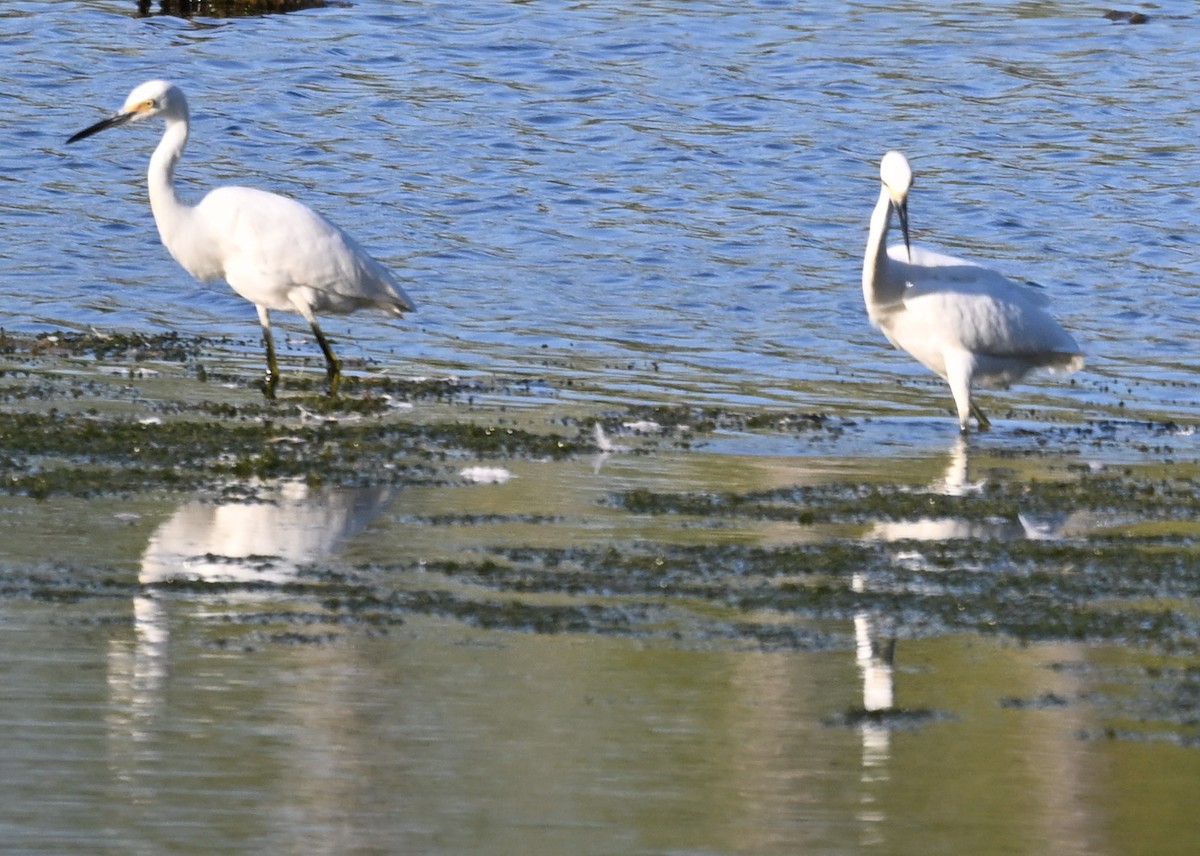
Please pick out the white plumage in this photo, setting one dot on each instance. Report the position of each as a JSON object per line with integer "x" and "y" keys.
{"x": 970, "y": 325}
{"x": 274, "y": 251}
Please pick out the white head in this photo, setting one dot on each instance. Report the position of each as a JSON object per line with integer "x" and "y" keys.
{"x": 896, "y": 175}
{"x": 897, "y": 179}
{"x": 152, "y": 98}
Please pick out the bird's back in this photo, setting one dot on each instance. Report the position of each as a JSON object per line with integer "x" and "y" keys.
{"x": 930, "y": 269}
{"x": 958, "y": 302}
{"x": 275, "y": 250}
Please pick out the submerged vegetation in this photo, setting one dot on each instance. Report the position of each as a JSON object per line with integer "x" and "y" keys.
{"x": 1081, "y": 533}
{"x": 225, "y": 8}
{"x": 85, "y": 454}
{"x": 95, "y": 434}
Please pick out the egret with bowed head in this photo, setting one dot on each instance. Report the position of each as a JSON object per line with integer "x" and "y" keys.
{"x": 968, "y": 324}
{"x": 273, "y": 251}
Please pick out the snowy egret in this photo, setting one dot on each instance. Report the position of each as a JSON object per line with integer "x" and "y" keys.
{"x": 969, "y": 324}
{"x": 274, "y": 251}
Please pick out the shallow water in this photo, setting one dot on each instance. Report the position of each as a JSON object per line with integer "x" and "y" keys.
{"x": 705, "y": 638}
{"x": 672, "y": 197}
{"x": 609, "y": 213}
{"x": 583, "y": 745}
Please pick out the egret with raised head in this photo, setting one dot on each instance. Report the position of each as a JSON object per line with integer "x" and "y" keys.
{"x": 274, "y": 251}
{"x": 968, "y": 324}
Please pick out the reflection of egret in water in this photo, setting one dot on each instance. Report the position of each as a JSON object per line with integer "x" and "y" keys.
{"x": 875, "y": 657}
{"x": 606, "y": 446}
{"x": 956, "y": 481}
{"x": 265, "y": 541}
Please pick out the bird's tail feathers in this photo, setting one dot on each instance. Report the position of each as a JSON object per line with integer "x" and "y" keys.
{"x": 1065, "y": 362}
{"x": 399, "y": 302}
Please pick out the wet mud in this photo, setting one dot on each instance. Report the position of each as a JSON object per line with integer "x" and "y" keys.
{"x": 1081, "y": 532}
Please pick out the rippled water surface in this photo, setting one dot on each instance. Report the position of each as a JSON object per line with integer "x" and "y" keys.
{"x": 670, "y": 196}
{"x": 634, "y": 203}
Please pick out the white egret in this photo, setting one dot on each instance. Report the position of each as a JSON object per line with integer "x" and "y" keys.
{"x": 969, "y": 324}
{"x": 274, "y": 251}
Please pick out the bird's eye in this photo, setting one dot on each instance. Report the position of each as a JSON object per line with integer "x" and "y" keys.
{"x": 148, "y": 103}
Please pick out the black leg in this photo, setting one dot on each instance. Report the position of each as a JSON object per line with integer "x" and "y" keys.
{"x": 985, "y": 424}
{"x": 333, "y": 366}
{"x": 271, "y": 380}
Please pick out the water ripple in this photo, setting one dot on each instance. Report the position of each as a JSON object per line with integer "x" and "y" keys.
{"x": 569, "y": 186}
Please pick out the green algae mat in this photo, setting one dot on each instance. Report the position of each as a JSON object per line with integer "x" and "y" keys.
{"x": 140, "y": 464}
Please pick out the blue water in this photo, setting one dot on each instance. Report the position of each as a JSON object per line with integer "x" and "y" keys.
{"x": 653, "y": 201}
{"x": 663, "y": 200}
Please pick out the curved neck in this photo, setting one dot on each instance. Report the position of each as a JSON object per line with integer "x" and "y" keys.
{"x": 878, "y": 290}
{"x": 168, "y": 210}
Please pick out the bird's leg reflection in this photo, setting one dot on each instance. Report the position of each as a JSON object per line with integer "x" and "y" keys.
{"x": 876, "y": 665}
{"x": 875, "y": 657}
{"x": 137, "y": 673}
{"x": 955, "y": 481}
